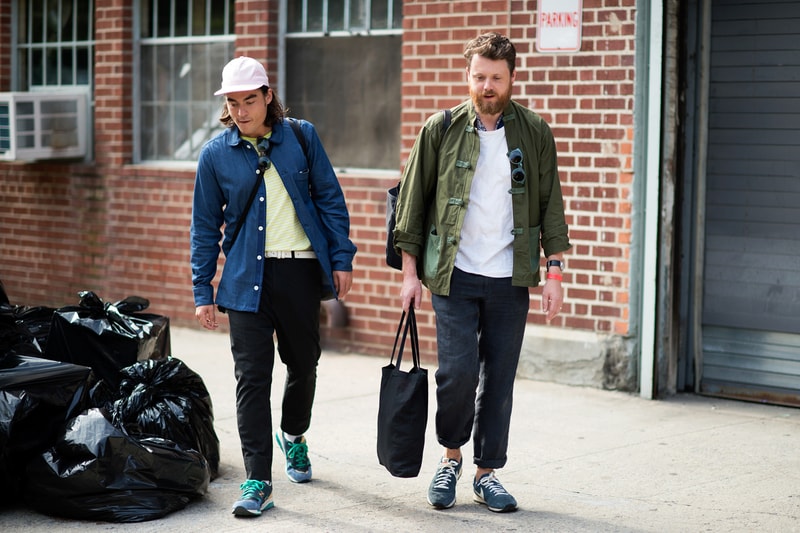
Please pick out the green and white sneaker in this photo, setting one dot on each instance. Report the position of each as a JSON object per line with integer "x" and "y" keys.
{"x": 491, "y": 493}
{"x": 256, "y": 497}
{"x": 298, "y": 465}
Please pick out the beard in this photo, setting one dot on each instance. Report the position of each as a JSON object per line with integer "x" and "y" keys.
{"x": 491, "y": 107}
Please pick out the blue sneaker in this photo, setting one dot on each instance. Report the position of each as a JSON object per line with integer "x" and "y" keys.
{"x": 442, "y": 490}
{"x": 491, "y": 493}
{"x": 256, "y": 497}
{"x": 298, "y": 465}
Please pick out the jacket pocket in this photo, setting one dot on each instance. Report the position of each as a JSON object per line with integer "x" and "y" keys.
{"x": 431, "y": 255}
{"x": 302, "y": 182}
{"x": 533, "y": 243}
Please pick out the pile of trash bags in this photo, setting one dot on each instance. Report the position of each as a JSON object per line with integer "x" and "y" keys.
{"x": 97, "y": 420}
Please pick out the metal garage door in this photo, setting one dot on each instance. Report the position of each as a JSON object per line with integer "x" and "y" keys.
{"x": 751, "y": 280}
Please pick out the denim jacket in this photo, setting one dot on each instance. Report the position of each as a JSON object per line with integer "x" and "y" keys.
{"x": 434, "y": 195}
{"x": 226, "y": 174}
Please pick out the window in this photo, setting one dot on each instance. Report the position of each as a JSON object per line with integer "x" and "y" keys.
{"x": 183, "y": 46}
{"x": 343, "y": 67}
{"x": 47, "y": 113}
{"x": 54, "y": 43}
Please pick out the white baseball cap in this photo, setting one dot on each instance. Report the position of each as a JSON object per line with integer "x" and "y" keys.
{"x": 242, "y": 74}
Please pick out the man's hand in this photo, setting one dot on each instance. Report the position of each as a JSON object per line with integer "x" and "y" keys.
{"x": 207, "y": 317}
{"x": 412, "y": 287}
{"x": 552, "y": 298}
{"x": 342, "y": 282}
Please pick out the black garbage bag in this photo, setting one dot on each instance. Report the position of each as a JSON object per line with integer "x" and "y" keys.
{"x": 100, "y": 336}
{"x": 24, "y": 330}
{"x": 165, "y": 398}
{"x": 95, "y": 471}
{"x": 10, "y": 334}
{"x": 37, "y": 398}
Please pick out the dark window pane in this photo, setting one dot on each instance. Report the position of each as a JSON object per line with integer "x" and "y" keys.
{"x": 68, "y": 66}
{"x": 199, "y": 17}
{"x": 163, "y": 22}
{"x": 37, "y": 70}
{"x": 379, "y": 15}
{"x": 181, "y": 25}
{"x": 67, "y": 21}
{"x": 83, "y": 31}
{"x": 22, "y": 72}
{"x": 397, "y": 17}
{"x": 83, "y": 66}
{"x": 37, "y": 29}
{"x": 342, "y": 85}
{"x": 52, "y": 21}
{"x": 52, "y": 66}
{"x": 294, "y": 16}
{"x": 314, "y": 15}
{"x": 146, "y": 18}
{"x": 218, "y": 19}
{"x": 358, "y": 15}
{"x": 336, "y": 15}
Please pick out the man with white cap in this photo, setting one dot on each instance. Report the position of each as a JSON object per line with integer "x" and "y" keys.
{"x": 286, "y": 244}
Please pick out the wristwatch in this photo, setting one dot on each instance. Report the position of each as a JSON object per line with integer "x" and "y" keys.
{"x": 555, "y": 263}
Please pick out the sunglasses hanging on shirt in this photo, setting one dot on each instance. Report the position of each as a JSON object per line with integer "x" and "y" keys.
{"x": 264, "y": 149}
{"x": 517, "y": 172}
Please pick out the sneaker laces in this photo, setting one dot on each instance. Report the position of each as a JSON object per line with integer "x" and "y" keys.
{"x": 253, "y": 489}
{"x": 297, "y": 453}
{"x": 444, "y": 476}
{"x": 492, "y": 484}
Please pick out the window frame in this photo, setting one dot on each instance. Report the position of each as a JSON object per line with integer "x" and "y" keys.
{"x": 285, "y": 36}
{"x": 17, "y": 83}
{"x": 138, "y": 43}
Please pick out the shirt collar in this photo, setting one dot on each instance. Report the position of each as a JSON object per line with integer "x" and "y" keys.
{"x": 480, "y": 127}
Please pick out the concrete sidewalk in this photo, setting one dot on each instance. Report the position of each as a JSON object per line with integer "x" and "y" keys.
{"x": 579, "y": 460}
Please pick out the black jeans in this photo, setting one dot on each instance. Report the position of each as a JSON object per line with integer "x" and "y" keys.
{"x": 289, "y": 309}
{"x": 479, "y": 330}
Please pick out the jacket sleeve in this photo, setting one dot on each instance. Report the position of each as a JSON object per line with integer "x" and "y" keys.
{"x": 205, "y": 232}
{"x": 417, "y": 188}
{"x": 554, "y": 236}
{"x": 329, "y": 202}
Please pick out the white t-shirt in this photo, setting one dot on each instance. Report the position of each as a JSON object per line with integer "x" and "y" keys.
{"x": 486, "y": 240}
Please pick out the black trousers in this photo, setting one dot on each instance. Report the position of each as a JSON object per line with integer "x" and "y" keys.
{"x": 289, "y": 311}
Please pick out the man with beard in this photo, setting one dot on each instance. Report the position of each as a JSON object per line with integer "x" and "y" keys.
{"x": 477, "y": 201}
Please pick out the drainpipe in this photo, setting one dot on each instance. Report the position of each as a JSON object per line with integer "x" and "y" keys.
{"x": 649, "y": 164}
{"x": 282, "y": 29}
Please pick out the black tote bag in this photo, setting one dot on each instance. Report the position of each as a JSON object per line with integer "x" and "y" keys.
{"x": 403, "y": 406}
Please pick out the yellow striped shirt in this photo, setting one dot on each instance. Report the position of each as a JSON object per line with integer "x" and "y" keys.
{"x": 284, "y": 231}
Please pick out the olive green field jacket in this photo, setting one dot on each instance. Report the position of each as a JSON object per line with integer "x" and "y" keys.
{"x": 435, "y": 187}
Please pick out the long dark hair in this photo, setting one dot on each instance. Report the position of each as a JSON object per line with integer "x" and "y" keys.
{"x": 275, "y": 111}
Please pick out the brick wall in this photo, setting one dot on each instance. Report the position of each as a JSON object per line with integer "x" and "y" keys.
{"x": 587, "y": 98}
{"x": 122, "y": 229}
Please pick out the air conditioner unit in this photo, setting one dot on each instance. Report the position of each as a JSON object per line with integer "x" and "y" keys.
{"x": 44, "y": 125}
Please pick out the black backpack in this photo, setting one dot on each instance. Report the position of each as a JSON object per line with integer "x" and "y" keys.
{"x": 393, "y": 259}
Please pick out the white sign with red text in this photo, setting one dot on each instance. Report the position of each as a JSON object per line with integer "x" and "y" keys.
{"x": 558, "y": 24}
